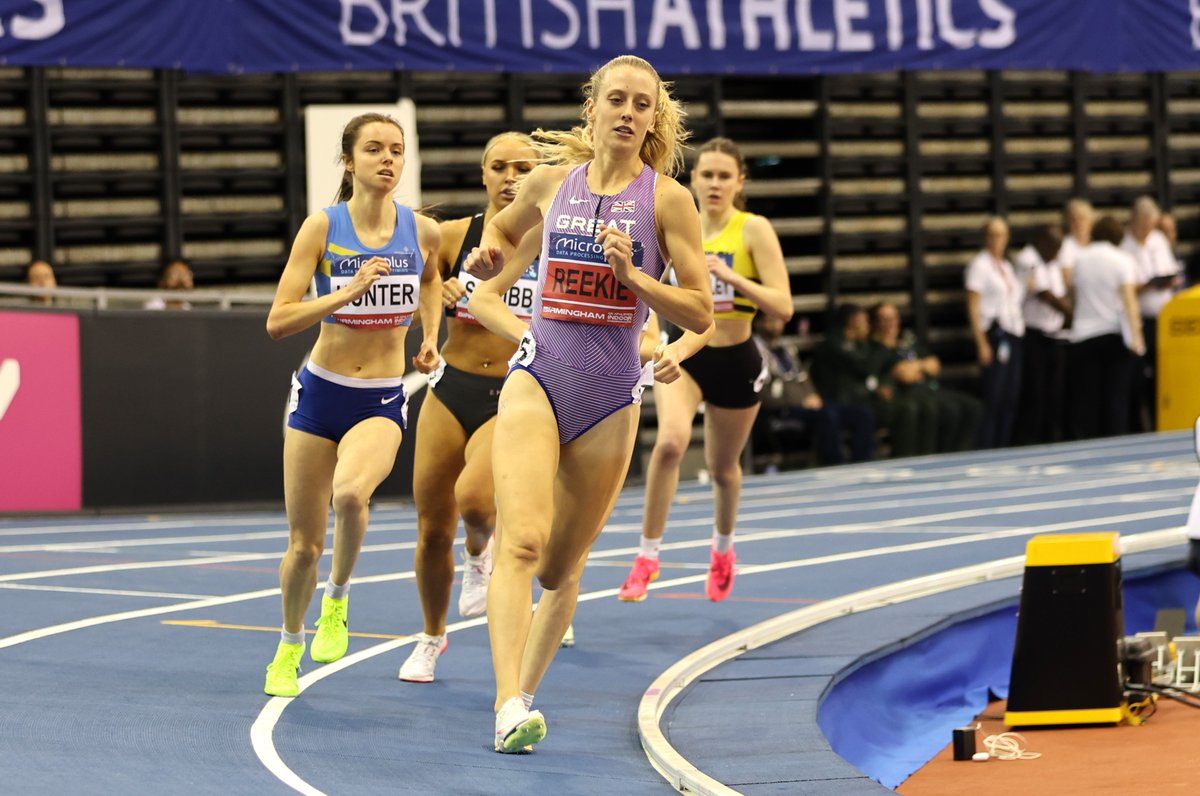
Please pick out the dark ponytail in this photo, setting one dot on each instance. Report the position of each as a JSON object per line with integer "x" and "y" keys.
{"x": 346, "y": 153}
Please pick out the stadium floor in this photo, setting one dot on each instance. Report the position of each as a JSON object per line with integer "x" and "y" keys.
{"x": 132, "y": 648}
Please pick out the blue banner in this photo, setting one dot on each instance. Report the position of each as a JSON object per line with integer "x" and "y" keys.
{"x": 677, "y": 36}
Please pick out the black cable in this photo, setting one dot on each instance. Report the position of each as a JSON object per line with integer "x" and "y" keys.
{"x": 1183, "y": 697}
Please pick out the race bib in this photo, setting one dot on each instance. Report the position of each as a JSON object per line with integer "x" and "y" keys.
{"x": 722, "y": 292}
{"x": 580, "y": 285}
{"x": 390, "y": 302}
{"x": 518, "y": 298}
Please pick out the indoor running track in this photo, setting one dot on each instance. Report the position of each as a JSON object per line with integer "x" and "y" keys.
{"x": 132, "y": 648}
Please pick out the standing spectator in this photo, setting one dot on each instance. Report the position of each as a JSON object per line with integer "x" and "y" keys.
{"x": 175, "y": 275}
{"x": 1168, "y": 227}
{"x": 791, "y": 406}
{"x": 1107, "y": 325}
{"x": 1158, "y": 277}
{"x": 40, "y": 273}
{"x": 1078, "y": 217}
{"x": 954, "y": 415}
{"x": 994, "y": 296}
{"x": 1047, "y": 317}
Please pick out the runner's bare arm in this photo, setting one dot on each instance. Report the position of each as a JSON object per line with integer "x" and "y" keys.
{"x": 690, "y": 304}
{"x": 508, "y": 227}
{"x": 429, "y": 307}
{"x": 487, "y": 300}
{"x": 290, "y": 313}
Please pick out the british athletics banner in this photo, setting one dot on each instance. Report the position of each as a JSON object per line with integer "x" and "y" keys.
{"x": 678, "y": 36}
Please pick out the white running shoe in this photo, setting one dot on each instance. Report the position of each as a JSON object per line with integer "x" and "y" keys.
{"x": 518, "y": 728}
{"x": 420, "y": 664}
{"x": 472, "y": 600}
{"x": 568, "y": 639}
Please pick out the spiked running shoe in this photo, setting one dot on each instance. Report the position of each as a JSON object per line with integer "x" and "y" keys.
{"x": 518, "y": 728}
{"x": 472, "y": 600}
{"x": 333, "y": 631}
{"x": 282, "y": 672}
{"x": 633, "y": 590}
{"x": 720, "y": 575}
{"x": 420, "y": 664}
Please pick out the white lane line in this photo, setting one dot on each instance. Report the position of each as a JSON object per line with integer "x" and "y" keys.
{"x": 181, "y": 562}
{"x": 207, "y": 602}
{"x": 683, "y": 774}
{"x": 114, "y": 592}
{"x": 151, "y": 541}
{"x": 829, "y": 504}
{"x": 80, "y": 624}
{"x": 271, "y": 521}
{"x": 702, "y": 520}
{"x": 262, "y": 730}
{"x": 991, "y": 513}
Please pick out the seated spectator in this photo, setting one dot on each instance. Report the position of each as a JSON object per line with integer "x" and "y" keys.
{"x": 1078, "y": 218}
{"x": 952, "y": 417}
{"x": 40, "y": 273}
{"x": 845, "y": 371}
{"x": 793, "y": 409}
{"x": 1106, "y": 328}
{"x": 994, "y": 298}
{"x": 1047, "y": 313}
{"x": 1159, "y": 277}
{"x": 175, "y": 275}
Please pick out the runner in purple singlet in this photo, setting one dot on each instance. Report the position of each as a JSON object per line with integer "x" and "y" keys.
{"x": 610, "y": 219}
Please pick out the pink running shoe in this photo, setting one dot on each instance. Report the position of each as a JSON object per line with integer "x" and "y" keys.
{"x": 720, "y": 575}
{"x": 633, "y": 590}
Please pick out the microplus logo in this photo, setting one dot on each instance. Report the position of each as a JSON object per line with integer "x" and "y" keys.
{"x": 10, "y": 382}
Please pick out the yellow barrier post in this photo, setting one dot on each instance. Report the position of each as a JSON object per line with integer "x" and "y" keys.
{"x": 1179, "y": 361}
{"x": 1066, "y": 663}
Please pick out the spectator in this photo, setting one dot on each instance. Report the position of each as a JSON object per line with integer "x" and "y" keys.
{"x": 1158, "y": 276}
{"x": 40, "y": 273}
{"x": 994, "y": 296}
{"x": 953, "y": 416}
{"x": 1047, "y": 315}
{"x": 792, "y": 408}
{"x": 1167, "y": 226}
{"x": 1106, "y": 326}
{"x": 175, "y": 275}
{"x": 846, "y": 371}
{"x": 1078, "y": 217}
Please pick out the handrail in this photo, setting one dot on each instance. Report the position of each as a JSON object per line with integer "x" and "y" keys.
{"x": 101, "y": 297}
{"x": 684, "y": 776}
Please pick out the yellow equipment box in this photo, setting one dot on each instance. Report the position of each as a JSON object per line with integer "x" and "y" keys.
{"x": 1179, "y": 361}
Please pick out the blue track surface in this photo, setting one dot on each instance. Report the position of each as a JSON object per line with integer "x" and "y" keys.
{"x": 105, "y": 691}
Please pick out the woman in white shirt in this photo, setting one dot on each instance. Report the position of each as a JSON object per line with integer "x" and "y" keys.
{"x": 1107, "y": 327}
{"x": 994, "y": 297}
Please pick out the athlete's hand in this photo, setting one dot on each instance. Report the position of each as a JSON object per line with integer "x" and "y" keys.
{"x": 618, "y": 250}
{"x": 666, "y": 364}
{"x": 484, "y": 262}
{"x": 368, "y": 274}
{"x": 718, "y": 268}
{"x": 427, "y": 359}
{"x": 452, "y": 291}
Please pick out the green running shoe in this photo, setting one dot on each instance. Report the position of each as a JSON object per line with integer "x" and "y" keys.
{"x": 333, "y": 632}
{"x": 282, "y": 672}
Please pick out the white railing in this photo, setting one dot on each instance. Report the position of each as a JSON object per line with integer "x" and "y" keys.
{"x": 102, "y": 298}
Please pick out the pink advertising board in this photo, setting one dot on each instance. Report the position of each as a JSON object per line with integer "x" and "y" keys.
{"x": 41, "y": 453}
